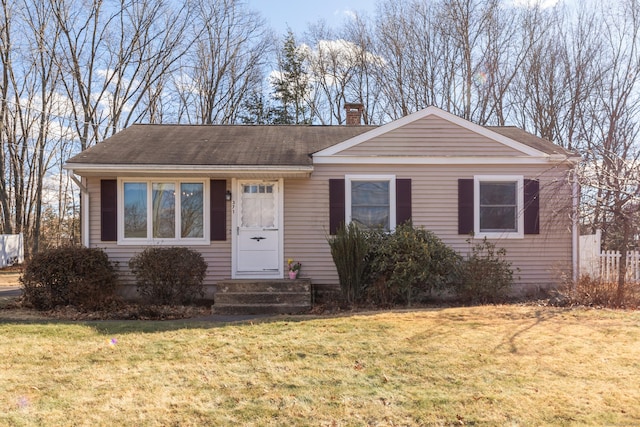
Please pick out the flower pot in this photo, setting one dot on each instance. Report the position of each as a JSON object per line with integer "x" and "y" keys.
{"x": 293, "y": 275}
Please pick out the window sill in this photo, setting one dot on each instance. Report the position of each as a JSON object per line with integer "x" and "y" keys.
{"x": 164, "y": 242}
{"x": 499, "y": 235}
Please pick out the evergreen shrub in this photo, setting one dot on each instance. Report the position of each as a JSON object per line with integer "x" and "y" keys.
{"x": 169, "y": 276}
{"x": 408, "y": 265}
{"x": 72, "y": 275}
{"x": 486, "y": 275}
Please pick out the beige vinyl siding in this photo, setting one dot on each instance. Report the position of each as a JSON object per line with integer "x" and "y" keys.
{"x": 431, "y": 136}
{"x": 217, "y": 255}
{"x": 541, "y": 259}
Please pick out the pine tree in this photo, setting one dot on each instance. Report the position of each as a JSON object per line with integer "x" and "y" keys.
{"x": 258, "y": 111}
{"x": 291, "y": 87}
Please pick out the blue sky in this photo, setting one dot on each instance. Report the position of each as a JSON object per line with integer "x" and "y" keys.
{"x": 298, "y": 14}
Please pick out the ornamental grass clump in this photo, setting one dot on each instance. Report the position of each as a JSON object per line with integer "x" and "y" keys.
{"x": 169, "y": 276}
{"x": 349, "y": 249}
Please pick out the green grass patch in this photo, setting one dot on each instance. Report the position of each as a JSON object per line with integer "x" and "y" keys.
{"x": 477, "y": 366}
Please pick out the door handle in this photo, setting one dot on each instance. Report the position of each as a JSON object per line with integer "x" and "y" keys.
{"x": 257, "y": 239}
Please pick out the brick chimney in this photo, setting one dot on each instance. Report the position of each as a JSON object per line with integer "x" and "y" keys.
{"x": 354, "y": 113}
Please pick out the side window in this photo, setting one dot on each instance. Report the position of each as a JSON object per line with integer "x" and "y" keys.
{"x": 192, "y": 210}
{"x": 135, "y": 210}
{"x": 498, "y": 206}
{"x": 371, "y": 201}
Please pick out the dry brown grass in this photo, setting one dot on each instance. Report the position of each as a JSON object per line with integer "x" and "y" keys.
{"x": 9, "y": 279}
{"x": 490, "y": 365}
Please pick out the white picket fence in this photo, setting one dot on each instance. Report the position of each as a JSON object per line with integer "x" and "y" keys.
{"x": 610, "y": 264}
{"x": 11, "y": 249}
{"x": 605, "y": 264}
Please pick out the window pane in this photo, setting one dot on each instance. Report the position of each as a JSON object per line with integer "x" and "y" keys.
{"x": 498, "y": 193}
{"x": 370, "y": 204}
{"x": 164, "y": 210}
{"x": 135, "y": 209}
{"x": 371, "y": 217}
{"x": 258, "y": 207}
{"x": 498, "y": 207}
{"x": 498, "y": 219}
{"x": 191, "y": 210}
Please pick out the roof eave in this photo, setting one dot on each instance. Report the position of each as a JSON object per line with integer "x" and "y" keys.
{"x": 444, "y": 160}
{"x": 227, "y": 171}
{"x": 561, "y": 158}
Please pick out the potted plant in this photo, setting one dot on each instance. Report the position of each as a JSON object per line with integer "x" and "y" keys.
{"x": 294, "y": 268}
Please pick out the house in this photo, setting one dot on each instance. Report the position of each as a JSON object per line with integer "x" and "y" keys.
{"x": 249, "y": 197}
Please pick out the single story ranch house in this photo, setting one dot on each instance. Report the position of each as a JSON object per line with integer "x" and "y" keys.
{"x": 250, "y": 197}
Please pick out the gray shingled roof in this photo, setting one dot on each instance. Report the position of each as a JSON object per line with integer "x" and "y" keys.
{"x": 530, "y": 139}
{"x": 251, "y": 145}
{"x": 241, "y": 145}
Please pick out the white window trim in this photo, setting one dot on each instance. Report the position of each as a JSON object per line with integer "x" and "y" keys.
{"x": 392, "y": 195}
{"x": 205, "y": 240}
{"x": 519, "y": 179}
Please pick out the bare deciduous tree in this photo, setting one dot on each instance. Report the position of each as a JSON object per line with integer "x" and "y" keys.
{"x": 611, "y": 127}
{"x": 338, "y": 72}
{"x": 225, "y": 64}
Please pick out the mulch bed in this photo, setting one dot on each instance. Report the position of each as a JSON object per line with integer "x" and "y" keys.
{"x": 16, "y": 309}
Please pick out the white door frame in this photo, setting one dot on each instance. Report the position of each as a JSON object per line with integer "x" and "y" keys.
{"x": 236, "y": 185}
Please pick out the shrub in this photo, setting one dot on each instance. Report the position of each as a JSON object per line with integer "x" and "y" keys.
{"x": 78, "y": 276}
{"x": 349, "y": 249}
{"x": 486, "y": 275}
{"x": 409, "y": 263}
{"x": 169, "y": 275}
{"x": 595, "y": 292}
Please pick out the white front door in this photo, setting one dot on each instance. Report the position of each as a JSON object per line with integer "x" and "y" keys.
{"x": 258, "y": 253}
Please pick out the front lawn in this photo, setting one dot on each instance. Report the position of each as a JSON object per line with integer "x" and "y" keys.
{"x": 504, "y": 365}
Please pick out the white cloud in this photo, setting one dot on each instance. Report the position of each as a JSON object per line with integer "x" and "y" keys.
{"x": 347, "y": 13}
{"x": 59, "y": 109}
{"x": 346, "y": 52}
{"x": 106, "y": 73}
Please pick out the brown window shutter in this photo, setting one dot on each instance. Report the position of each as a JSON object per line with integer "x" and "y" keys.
{"x": 465, "y": 206}
{"x": 403, "y": 201}
{"x": 336, "y": 204}
{"x": 218, "y": 206}
{"x": 531, "y": 206}
{"x": 108, "y": 210}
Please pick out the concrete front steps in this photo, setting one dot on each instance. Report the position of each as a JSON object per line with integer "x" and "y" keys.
{"x": 249, "y": 296}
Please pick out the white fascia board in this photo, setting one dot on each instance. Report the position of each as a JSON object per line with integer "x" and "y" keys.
{"x": 559, "y": 158}
{"x": 94, "y": 169}
{"x": 431, "y": 111}
{"x": 379, "y": 160}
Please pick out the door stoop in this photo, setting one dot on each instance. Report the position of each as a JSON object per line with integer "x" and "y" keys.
{"x": 262, "y": 296}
